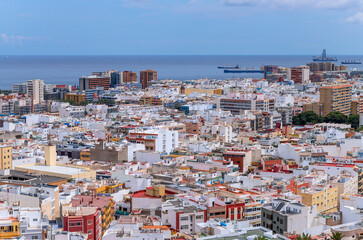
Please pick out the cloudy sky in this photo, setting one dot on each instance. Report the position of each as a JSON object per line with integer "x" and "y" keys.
{"x": 173, "y": 27}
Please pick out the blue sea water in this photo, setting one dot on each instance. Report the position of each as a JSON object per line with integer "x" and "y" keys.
{"x": 67, "y": 69}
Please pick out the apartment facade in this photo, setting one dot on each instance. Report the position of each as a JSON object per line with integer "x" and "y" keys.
{"x": 241, "y": 102}
{"x": 336, "y": 98}
{"x": 6, "y": 157}
{"x": 83, "y": 219}
{"x": 147, "y": 76}
{"x": 35, "y": 90}
{"x": 285, "y": 216}
{"x": 77, "y": 98}
{"x": 93, "y": 81}
{"x": 325, "y": 198}
{"x": 299, "y": 75}
{"x": 129, "y": 77}
{"x": 158, "y": 140}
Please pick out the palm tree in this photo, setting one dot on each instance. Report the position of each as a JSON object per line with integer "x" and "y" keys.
{"x": 260, "y": 238}
{"x": 304, "y": 237}
{"x": 336, "y": 236}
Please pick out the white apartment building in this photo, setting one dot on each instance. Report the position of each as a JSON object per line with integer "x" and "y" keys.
{"x": 35, "y": 90}
{"x": 157, "y": 139}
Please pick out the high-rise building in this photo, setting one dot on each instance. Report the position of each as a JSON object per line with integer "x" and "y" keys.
{"x": 326, "y": 67}
{"x": 146, "y": 76}
{"x": 336, "y": 98}
{"x": 298, "y": 74}
{"x": 6, "y": 157}
{"x": 93, "y": 81}
{"x": 35, "y": 90}
{"x": 116, "y": 78}
{"x": 19, "y": 88}
{"x": 129, "y": 77}
{"x": 114, "y": 75}
{"x": 270, "y": 69}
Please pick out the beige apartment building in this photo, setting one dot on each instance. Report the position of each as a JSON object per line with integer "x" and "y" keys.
{"x": 336, "y": 98}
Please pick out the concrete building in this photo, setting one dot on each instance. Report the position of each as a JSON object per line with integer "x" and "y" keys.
{"x": 108, "y": 154}
{"x": 325, "y": 198}
{"x": 336, "y": 98}
{"x": 35, "y": 90}
{"x": 52, "y": 169}
{"x": 299, "y": 75}
{"x": 104, "y": 204}
{"x": 286, "y": 216}
{"x": 147, "y": 76}
{"x": 93, "y": 81}
{"x": 83, "y": 219}
{"x": 236, "y": 103}
{"x": 159, "y": 140}
{"x": 72, "y": 111}
{"x": 316, "y": 107}
{"x": 116, "y": 78}
{"x": 75, "y": 97}
{"x": 19, "y": 88}
{"x": 183, "y": 217}
{"x": 211, "y": 91}
{"x": 6, "y": 158}
{"x": 129, "y": 77}
{"x": 351, "y": 206}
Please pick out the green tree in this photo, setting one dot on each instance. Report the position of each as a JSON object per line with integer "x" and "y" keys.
{"x": 336, "y": 236}
{"x": 307, "y": 118}
{"x": 335, "y": 117}
{"x": 260, "y": 238}
{"x": 304, "y": 237}
{"x": 354, "y": 121}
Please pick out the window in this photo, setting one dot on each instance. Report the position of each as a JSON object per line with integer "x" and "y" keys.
{"x": 34, "y": 219}
{"x": 183, "y": 218}
{"x": 89, "y": 222}
{"x": 199, "y": 217}
{"x": 89, "y": 231}
{"x": 184, "y": 227}
{"x": 78, "y": 224}
{"x": 35, "y": 237}
{"x": 72, "y": 224}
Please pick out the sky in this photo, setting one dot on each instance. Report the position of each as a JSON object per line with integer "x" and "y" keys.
{"x": 181, "y": 27}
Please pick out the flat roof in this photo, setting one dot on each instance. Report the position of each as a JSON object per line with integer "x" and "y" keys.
{"x": 55, "y": 169}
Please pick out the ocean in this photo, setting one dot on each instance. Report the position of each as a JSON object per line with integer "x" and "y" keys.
{"x": 67, "y": 69}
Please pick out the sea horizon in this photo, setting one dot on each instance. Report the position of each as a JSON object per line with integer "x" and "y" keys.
{"x": 66, "y": 69}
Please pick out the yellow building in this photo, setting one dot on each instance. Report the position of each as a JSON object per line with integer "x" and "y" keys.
{"x": 77, "y": 98}
{"x": 316, "y": 107}
{"x": 150, "y": 101}
{"x": 216, "y": 91}
{"x": 6, "y": 157}
{"x": 156, "y": 191}
{"x": 85, "y": 155}
{"x": 336, "y": 98}
{"x": 325, "y": 198}
{"x": 109, "y": 189}
{"x": 9, "y": 229}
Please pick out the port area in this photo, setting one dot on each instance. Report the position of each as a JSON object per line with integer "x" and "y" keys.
{"x": 240, "y": 70}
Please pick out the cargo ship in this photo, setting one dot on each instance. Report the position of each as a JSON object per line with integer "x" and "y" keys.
{"x": 324, "y": 58}
{"x": 351, "y": 62}
{"x": 229, "y": 67}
